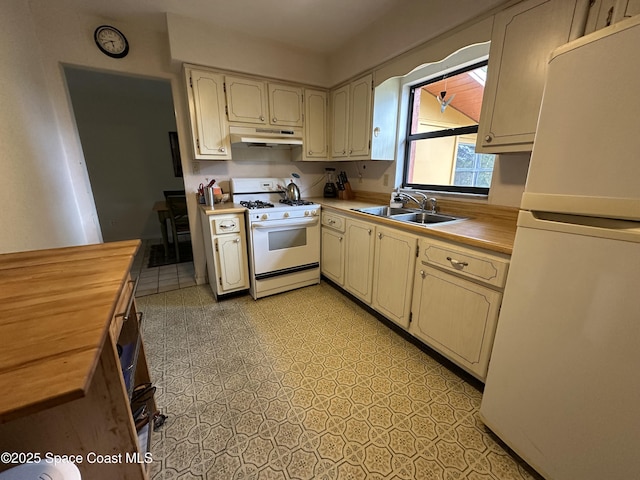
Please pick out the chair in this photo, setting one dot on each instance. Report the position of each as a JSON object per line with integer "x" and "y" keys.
{"x": 173, "y": 193}
{"x": 179, "y": 219}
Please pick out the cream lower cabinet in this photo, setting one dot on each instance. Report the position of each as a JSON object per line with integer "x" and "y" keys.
{"x": 456, "y": 300}
{"x": 393, "y": 265}
{"x": 226, "y": 252}
{"x": 359, "y": 258}
{"x": 333, "y": 247}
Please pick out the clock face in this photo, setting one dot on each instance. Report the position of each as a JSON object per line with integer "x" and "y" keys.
{"x": 111, "y": 41}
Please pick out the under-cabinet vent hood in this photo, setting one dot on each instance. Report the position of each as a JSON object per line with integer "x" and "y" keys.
{"x": 265, "y": 136}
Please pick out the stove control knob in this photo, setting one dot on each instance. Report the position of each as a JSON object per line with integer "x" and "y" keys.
{"x": 286, "y": 215}
{"x": 264, "y": 216}
{"x": 307, "y": 213}
{"x": 314, "y": 213}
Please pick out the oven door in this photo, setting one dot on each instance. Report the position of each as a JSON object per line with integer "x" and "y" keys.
{"x": 285, "y": 246}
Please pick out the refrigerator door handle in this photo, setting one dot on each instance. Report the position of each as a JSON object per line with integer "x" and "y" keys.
{"x": 591, "y": 226}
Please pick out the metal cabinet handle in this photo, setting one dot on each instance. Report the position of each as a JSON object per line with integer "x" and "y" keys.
{"x": 310, "y": 152}
{"x": 344, "y": 152}
{"x": 369, "y": 231}
{"x": 380, "y": 236}
{"x": 457, "y": 263}
{"x": 125, "y": 314}
{"x": 339, "y": 239}
{"x": 274, "y": 120}
{"x": 488, "y": 138}
{"x": 222, "y": 149}
{"x": 350, "y": 152}
{"x": 262, "y": 118}
{"x": 237, "y": 240}
{"x": 422, "y": 274}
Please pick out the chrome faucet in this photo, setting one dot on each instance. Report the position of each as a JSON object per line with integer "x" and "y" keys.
{"x": 422, "y": 203}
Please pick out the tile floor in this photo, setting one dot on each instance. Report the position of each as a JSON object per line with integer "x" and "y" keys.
{"x": 160, "y": 279}
{"x": 306, "y": 385}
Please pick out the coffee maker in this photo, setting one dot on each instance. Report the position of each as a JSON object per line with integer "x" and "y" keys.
{"x": 330, "y": 189}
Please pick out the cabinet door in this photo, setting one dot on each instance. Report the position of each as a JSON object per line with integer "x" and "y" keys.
{"x": 523, "y": 38}
{"x": 339, "y": 122}
{"x": 332, "y": 260}
{"x": 359, "y": 259}
{"x": 230, "y": 254}
{"x": 394, "y": 261}
{"x": 315, "y": 124}
{"x": 285, "y": 105}
{"x": 360, "y": 117}
{"x": 246, "y": 100}
{"x": 455, "y": 317}
{"x": 209, "y": 127}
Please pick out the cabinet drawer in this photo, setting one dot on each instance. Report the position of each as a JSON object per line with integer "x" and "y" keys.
{"x": 222, "y": 225}
{"x": 121, "y": 308}
{"x": 333, "y": 221}
{"x": 478, "y": 266}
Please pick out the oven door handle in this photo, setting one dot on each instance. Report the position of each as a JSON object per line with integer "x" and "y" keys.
{"x": 305, "y": 222}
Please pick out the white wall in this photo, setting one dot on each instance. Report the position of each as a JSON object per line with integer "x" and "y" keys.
{"x": 193, "y": 41}
{"x": 36, "y": 189}
{"x": 408, "y": 26}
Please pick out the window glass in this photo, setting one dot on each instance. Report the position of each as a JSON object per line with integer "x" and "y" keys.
{"x": 441, "y": 137}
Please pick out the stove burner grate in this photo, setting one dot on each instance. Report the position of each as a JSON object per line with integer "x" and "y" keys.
{"x": 294, "y": 203}
{"x": 253, "y": 204}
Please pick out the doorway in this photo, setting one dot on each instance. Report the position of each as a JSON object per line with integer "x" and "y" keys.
{"x": 127, "y": 126}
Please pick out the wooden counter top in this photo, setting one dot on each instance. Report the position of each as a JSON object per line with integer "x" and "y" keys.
{"x": 489, "y": 227}
{"x": 55, "y": 310}
{"x": 220, "y": 208}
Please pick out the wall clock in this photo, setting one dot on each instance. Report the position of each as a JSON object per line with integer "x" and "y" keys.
{"x": 111, "y": 41}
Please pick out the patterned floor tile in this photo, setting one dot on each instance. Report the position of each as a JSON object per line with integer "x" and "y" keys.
{"x": 307, "y": 385}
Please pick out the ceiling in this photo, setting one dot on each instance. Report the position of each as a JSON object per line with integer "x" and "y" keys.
{"x": 468, "y": 93}
{"x": 317, "y": 26}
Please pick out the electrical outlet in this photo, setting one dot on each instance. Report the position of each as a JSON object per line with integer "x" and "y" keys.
{"x": 385, "y": 180}
{"x": 196, "y": 168}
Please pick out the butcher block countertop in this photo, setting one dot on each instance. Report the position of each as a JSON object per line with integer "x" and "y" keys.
{"x": 485, "y": 226}
{"x": 56, "y": 307}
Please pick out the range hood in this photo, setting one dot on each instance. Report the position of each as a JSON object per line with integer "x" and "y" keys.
{"x": 265, "y": 136}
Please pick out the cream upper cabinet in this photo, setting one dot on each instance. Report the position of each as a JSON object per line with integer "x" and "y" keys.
{"x": 285, "y": 105}
{"x": 393, "y": 266}
{"x": 209, "y": 128}
{"x": 340, "y": 122}
{"x": 351, "y": 120}
{"x": 358, "y": 273}
{"x": 523, "y": 37}
{"x": 360, "y": 117}
{"x": 316, "y": 145}
{"x": 246, "y": 100}
{"x": 258, "y": 102}
{"x": 603, "y": 13}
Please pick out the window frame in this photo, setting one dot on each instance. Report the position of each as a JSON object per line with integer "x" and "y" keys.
{"x": 446, "y": 132}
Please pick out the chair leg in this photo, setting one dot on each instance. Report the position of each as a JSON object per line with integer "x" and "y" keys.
{"x": 175, "y": 243}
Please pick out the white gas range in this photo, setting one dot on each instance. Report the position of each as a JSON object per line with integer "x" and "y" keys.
{"x": 283, "y": 236}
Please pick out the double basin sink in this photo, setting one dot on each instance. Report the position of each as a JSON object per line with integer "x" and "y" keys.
{"x": 408, "y": 215}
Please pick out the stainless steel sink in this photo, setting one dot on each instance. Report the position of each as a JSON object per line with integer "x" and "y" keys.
{"x": 384, "y": 211}
{"x": 424, "y": 218}
{"x": 409, "y": 215}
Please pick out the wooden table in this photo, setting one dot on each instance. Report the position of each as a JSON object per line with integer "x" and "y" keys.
{"x": 61, "y": 315}
{"x": 163, "y": 215}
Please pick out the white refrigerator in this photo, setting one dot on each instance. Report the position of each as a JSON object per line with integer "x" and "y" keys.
{"x": 563, "y": 386}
